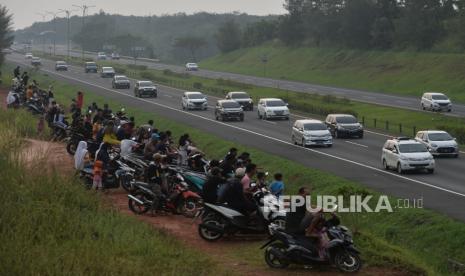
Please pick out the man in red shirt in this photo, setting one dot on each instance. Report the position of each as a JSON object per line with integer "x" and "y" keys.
{"x": 79, "y": 100}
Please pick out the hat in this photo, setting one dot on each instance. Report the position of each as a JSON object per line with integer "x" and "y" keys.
{"x": 240, "y": 172}
{"x": 155, "y": 137}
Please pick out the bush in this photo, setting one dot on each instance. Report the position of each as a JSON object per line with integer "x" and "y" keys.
{"x": 168, "y": 72}
{"x": 137, "y": 67}
{"x": 197, "y": 85}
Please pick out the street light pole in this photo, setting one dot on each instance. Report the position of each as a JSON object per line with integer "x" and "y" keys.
{"x": 84, "y": 9}
{"x": 68, "y": 12}
{"x": 54, "y": 29}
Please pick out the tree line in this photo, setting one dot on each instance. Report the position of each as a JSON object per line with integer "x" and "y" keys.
{"x": 359, "y": 24}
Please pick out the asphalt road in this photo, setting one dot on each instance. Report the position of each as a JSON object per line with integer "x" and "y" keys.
{"x": 353, "y": 159}
{"x": 411, "y": 103}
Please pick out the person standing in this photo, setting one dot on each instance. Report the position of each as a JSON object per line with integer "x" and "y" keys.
{"x": 277, "y": 186}
{"x": 25, "y": 78}
{"x": 17, "y": 72}
{"x": 79, "y": 100}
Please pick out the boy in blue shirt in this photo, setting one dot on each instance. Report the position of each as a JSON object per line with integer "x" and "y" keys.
{"x": 277, "y": 186}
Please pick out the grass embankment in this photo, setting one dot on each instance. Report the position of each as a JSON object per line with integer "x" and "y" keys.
{"x": 402, "y": 73}
{"x": 50, "y": 225}
{"x": 417, "y": 240}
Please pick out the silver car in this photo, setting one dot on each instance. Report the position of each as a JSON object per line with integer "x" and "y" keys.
{"x": 311, "y": 133}
{"x": 436, "y": 102}
{"x": 438, "y": 142}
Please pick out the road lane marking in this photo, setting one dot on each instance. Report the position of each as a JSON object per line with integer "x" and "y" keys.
{"x": 382, "y": 171}
{"x": 357, "y": 144}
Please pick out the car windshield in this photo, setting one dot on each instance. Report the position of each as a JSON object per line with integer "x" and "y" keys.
{"x": 240, "y": 96}
{"x": 275, "y": 103}
{"x": 121, "y": 78}
{"x": 439, "y": 97}
{"x": 91, "y": 65}
{"x": 346, "y": 120}
{"x": 145, "y": 84}
{"x": 61, "y": 63}
{"x": 440, "y": 136}
{"x": 410, "y": 148}
{"x": 314, "y": 126}
{"x": 230, "y": 105}
{"x": 195, "y": 96}
{"x": 108, "y": 70}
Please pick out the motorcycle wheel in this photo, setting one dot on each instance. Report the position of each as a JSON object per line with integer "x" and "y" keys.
{"x": 209, "y": 235}
{"x": 346, "y": 261}
{"x": 272, "y": 260}
{"x": 71, "y": 148}
{"x": 137, "y": 208}
{"x": 188, "y": 207}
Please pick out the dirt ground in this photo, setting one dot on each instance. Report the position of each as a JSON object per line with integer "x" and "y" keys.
{"x": 182, "y": 228}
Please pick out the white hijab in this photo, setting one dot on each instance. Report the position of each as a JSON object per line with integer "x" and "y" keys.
{"x": 80, "y": 154}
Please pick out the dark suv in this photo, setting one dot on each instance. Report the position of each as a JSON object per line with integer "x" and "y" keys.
{"x": 90, "y": 67}
{"x": 228, "y": 110}
{"x": 344, "y": 125}
{"x": 242, "y": 98}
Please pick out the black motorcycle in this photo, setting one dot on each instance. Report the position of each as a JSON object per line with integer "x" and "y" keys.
{"x": 117, "y": 175}
{"x": 284, "y": 249}
{"x": 73, "y": 140}
{"x": 35, "y": 106}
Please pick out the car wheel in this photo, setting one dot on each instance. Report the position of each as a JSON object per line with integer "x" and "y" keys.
{"x": 329, "y": 146}
{"x": 155, "y": 95}
{"x": 183, "y": 107}
{"x": 399, "y": 169}
{"x": 336, "y": 134}
{"x": 293, "y": 140}
{"x": 450, "y": 110}
{"x": 385, "y": 165}
{"x": 430, "y": 171}
{"x": 303, "y": 143}
{"x": 360, "y": 136}
{"x": 216, "y": 117}
{"x": 223, "y": 118}
{"x": 265, "y": 117}
{"x": 456, "y": 156}
{"x": 287, "y": 118}
{"x": 259, "y": 116}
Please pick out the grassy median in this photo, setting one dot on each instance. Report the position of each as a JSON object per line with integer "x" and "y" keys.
{"x": 415, "y": 240}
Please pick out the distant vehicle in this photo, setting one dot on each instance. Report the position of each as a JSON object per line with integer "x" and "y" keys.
{"x": 7, "y": 51}
{"x": 120, "y": 81}
{"x": 107, "y": 72}
{"x": 35, "y": 61}
{"x": 344, "y": 125}
{"x": 405, "y": 154}
{"x": 228, "y": 110}
{"x": 145, "y": 88}
{"x": 436, "y": 102}
{"x": 90, "y": 67}
{"x": 28, "y": 56}
{"x": 101, "y": 56}
{"x": 242, "y": 98}
{"x": 192, "y": 67}
{"x": 61, "y": 66}
{"x": 272, "y": 108}
{"x": 194, "y": 100}
{"x": 438, "y": 142}
{"x": 115, "y": 56}
{"x": 311, "y": 133}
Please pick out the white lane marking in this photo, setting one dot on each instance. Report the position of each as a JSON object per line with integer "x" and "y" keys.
{"x": 265, "y": 136}
{"x": 166, "y": 95}
{"x": 357, "y": 144}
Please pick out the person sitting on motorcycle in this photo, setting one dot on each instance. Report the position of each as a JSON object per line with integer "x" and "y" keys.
{"x": 109, "y": 136}
{"x": 250, "y": 171}
{"x": 244, "y": 158}
{"x": 17, "y": 71}
{"x": 261, "y": 181}
{"x": 128, "y": 146}
{"x": 317, "y": 230}
{"x": 150, "y": 148}
{"x": 228, "y": 165}
{"x": 29, "y": 92}
{"x": 25, "y": 78}
{"x": 183, "y": 149}
{"x": 102, "y": 160}
{"x": 125, "y": 130}
{"x": 106, "y": 112}
{"x": 96, "y": 127}
{"x": 234, "y": 194}
{"x": 277, "y": 186}
{"x": 211, "y": 186}
{"x": 295, "y": 223}
{"x": 155, "y": 173}
{"x": 232, "y": 154}
{"x": 59, "y": 119}
{"x": 81, "y": 157}
{"x": 98, "y": 116}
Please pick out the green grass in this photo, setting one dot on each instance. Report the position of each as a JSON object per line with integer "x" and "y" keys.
{"x": 416, "y": 240}
{"x": 50, "y": 225}
{"x": 400, "y": 73}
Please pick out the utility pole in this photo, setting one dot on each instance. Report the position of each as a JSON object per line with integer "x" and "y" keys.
{"x": 68, "y": 12}
{"x": 54, "y": 29}
{"x": 84, "y": 9}
{"x": 43, "y": 38}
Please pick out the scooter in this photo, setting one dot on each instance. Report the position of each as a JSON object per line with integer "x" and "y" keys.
{"x": 218, "y": 220}
{"x": 118, "y": 175}
{"x": 284, "y": 249}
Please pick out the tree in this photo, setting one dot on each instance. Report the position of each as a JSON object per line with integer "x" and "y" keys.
{"x": 258, "y": 32}
{"x": 6, "y": 36}
{"x": 357, "y": 18}
{"x": 228, "y": 37}
{"x": 190, "y": 43}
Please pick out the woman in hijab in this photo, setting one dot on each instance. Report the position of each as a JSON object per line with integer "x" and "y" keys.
{"x": 80, "y": 156}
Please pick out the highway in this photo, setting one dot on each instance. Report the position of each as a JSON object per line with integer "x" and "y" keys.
{"x": 405, "y": 102}
{"x": 353, "y": 159}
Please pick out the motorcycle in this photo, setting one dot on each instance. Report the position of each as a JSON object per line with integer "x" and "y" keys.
{"x": 284, "y": 249}
{"x": 194, "y": 180}
{"x": 218, "y": 220}
{"x": 35, "y": 106}
{"x": 73, "y": 140}
{"x": 149, "y": 197}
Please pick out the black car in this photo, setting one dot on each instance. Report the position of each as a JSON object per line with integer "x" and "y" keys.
{"x": 145, "y": 88}
{"x": 90, "y": 67}
{"x": 228, "y": 110}
{"x": 242, "y": 98}
{"x": 344, "y": 125}
{"x": 120, "y": 82}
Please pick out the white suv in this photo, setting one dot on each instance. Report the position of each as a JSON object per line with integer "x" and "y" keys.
{"x": 311, "y": 133}
{"x": 405, "y": 154}
{"x": 194, "y": 100}
{"x": 435, "y": 102}
{"x": 192, "y": 67}
{"x": 438, "y": 142}
{"x": 272, "y": 108}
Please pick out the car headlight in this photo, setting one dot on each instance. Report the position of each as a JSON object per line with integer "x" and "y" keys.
{"x": 434, "y": 145}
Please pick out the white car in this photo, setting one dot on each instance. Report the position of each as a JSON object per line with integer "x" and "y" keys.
{"x": 435, "y": 102}
{"x": 192, "y": 66}
{"x": 311, "y": 133}
{"x": 194, "y": 100}
{"x": 28, "y": 56}
{"x": 35, "y": 61}
{"x": 405, "y": 154}
{"x": 272, "y": 108}
{"x": 438, "y": 142}
{"x": 101, "y": 56}
{"x": 107, "y": 72}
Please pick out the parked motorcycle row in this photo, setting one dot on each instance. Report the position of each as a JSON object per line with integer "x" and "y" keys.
{"x": 172, "y": 181}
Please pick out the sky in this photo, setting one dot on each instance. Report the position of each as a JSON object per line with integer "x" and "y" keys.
{"x": 24, "y": 14}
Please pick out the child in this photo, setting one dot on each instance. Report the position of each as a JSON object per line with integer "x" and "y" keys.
{"x": 98, "y": 171}
{"x": 277, "y": 186}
